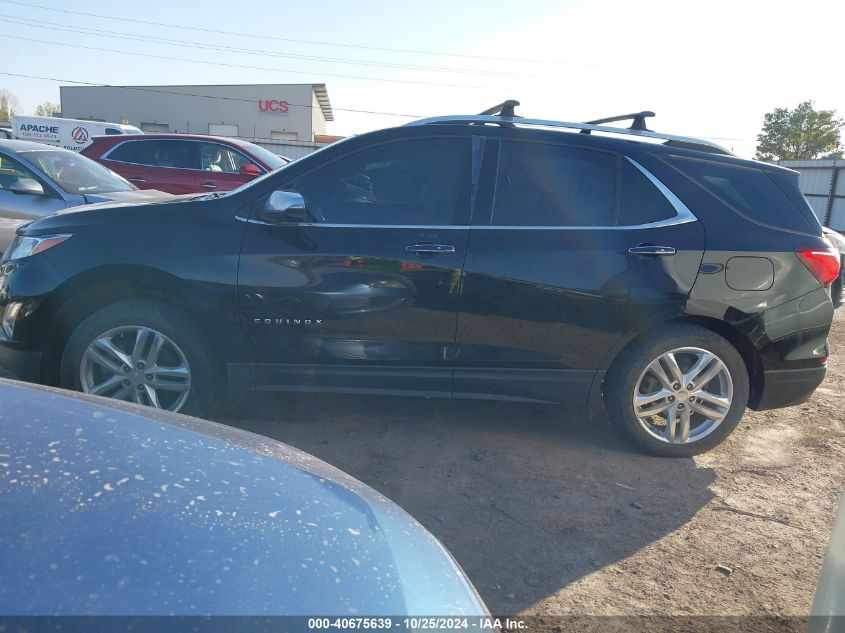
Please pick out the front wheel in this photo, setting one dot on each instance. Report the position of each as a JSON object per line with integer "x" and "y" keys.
{"x": 678, "y": 393}
{"x": 139, "y": 351}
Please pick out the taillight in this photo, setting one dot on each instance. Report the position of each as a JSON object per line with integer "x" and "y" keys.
{"x": 822, "y": 262}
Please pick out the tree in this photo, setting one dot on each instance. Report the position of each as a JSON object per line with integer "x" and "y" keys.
{"x": 800, "y": 134}
{"x": 9, "y": 104}
{"x": 47, "y": 109}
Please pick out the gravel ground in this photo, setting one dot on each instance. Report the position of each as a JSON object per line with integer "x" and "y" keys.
{"x": 549, "y": 515}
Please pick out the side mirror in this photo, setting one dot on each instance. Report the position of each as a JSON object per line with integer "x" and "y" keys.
{"x": 27, "y": 186}
{"x": 249, "y": 170}
{"x": 286, "y": 206}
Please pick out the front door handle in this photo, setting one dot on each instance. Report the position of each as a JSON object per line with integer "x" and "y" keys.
{"x": 209, "y": 185}
{"x": 137, "y": 181}
{"x": 651, "y": 249}
{"x": 425, "y": 248}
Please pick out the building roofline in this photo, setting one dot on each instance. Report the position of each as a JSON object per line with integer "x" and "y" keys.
{"x": 323, "y": 99}
{"x": 319, "y": 91}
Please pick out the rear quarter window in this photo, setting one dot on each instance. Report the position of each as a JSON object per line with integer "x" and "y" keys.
{"x": 749, "y": 191}
{"x": 124, "y": 152}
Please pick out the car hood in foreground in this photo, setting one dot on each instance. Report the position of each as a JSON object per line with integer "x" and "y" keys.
{"x": 115, "y": 509}
{"x": 139, "y": 195}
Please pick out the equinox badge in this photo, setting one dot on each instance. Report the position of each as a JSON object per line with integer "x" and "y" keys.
{"x": 260, "y": 321}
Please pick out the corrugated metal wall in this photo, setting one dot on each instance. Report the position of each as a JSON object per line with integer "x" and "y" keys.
{"x": 823, "y": 184}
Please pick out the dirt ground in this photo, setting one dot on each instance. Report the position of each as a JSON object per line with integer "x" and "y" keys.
{"x": 551, "y": 516}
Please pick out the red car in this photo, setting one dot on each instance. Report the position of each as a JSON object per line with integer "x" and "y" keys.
{"x": 183, "y": 163}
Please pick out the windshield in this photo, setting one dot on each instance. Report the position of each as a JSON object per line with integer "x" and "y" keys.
{"x": 265, "y": 156}
{"x": 76, "y": 174}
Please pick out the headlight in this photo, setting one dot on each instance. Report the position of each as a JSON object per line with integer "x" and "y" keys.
{"x": 23, "y": 246}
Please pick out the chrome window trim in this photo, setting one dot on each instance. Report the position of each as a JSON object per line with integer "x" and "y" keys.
{"x": 105, "y": 156}
{"x": 683, "y": 215}
{"x": 682, "y": 211}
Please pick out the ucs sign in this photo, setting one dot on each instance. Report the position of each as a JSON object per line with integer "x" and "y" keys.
{"x": 272, "y": 105}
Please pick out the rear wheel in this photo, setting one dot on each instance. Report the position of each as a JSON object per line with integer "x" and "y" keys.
{"x": 678, "y": 393}
{"x": 139, "y": 351}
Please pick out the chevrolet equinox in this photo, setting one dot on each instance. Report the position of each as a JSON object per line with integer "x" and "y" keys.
{"x": 482, "y": 257}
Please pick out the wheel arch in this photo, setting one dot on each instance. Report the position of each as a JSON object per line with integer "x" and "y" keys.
{"x": 84, "y": 294}
{"x": 736, "y": 337}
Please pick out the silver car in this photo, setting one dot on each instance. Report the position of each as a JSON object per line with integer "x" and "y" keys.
{"x": 38, "y": 179}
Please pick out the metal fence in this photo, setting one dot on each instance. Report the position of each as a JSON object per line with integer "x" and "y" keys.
{"x": 823, "y": 184}
{"x": 290, "y": 149}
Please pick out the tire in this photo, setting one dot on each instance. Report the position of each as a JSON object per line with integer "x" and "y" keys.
{"x": 179, "y": 349}
{"x": 634, "y": 374}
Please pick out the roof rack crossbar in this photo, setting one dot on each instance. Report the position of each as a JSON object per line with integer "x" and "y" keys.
{"x": 482, "y": 119}
{"x": 637, "y": 120}
{"x": 506, "y": 108}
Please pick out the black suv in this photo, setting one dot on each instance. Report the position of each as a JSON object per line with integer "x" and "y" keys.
{"x": 482, "y": 257}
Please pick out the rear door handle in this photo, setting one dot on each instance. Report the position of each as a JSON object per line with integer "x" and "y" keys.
{"x": 137, "y": 181}
{"x": 651, "y": 249}
{"x": 425, "y": 248}
{"x": 209, "y": 185}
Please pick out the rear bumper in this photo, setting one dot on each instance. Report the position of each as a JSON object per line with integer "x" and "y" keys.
{"x": 787, "y": 387}
{"x": 19, "y": 363}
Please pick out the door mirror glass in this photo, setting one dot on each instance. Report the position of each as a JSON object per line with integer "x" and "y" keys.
{"x": 27, "y": 186}
{"x": 286, "y": 206}
{"x": 249, "y": 170}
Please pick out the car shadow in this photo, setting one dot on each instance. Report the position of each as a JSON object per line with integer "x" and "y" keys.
{"x": 528, "y": 498}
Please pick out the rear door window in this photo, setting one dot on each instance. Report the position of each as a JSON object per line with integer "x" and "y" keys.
{"x": 640, "y": 202}
{"x": 167, "y": 153}
{"x": 551, "y": 185}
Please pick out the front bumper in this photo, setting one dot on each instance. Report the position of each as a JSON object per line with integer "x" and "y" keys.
{"x": 19, "y": 363}
{"x": 787, "y": 387}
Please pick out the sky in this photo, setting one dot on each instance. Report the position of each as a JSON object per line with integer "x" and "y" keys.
{"x": 707, "y": 69}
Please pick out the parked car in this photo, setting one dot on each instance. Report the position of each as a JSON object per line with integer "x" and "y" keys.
{"x": 481, "y": 257}
{"x": 838, "y": 242}
{"x": 37, "y": 180}
{"x": 827, "y": 614}
{"x": 184, "y": 163}
{"x": 71, "y": 134}
{"x": 116, "y": 509}
{"x": 5, "y": 132}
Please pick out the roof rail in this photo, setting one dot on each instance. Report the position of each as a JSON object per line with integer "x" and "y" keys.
{"x": 503, "y": 115}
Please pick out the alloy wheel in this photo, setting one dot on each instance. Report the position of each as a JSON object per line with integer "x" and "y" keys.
{"x": 683, "y": 395}
{"x": 136, "y": 364}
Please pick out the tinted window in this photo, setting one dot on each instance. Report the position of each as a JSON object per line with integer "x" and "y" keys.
{"x": 749, "y": 191}
{"x": 165, "y": 153}
{"x": 548, "y": 185}
{"x": 110, "y": 131}
{"x": 124, "y": 152}
{"x": 216, "y": 157}
{"x": 410, "y": 182}
{"x": 640, "y": 202}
